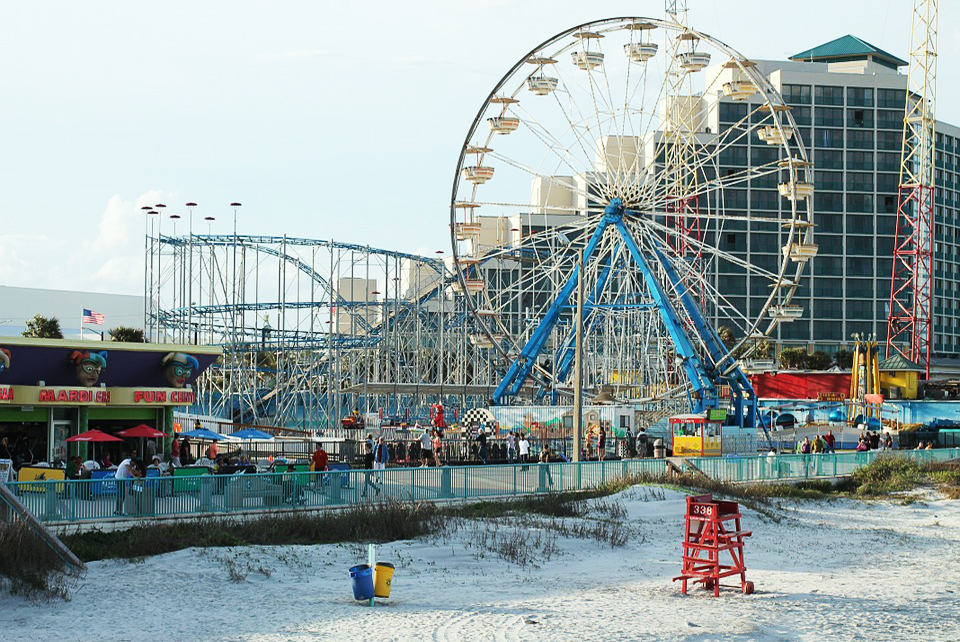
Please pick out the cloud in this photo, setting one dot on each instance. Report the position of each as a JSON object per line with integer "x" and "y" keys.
{"x": 106, "y": 257}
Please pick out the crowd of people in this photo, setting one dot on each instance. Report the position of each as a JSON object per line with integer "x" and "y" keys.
{"x": 868, "y": 440}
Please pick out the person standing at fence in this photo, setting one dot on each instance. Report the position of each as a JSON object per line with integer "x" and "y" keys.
{"x": 511, "y": 448}
{"x": 368, "y": 460}
{"x": 426, "y": 448}
{"x": 381, "y": 455}
{"x": 524, "y": 451}
{"x": 126, "y": 471}
{"x": 175, "y": 453}
{"x": 185, "y": 455}
{"x": 629, "y": 443}
{"x": 482, "y": 451}
{"x": 602, "y": 444}
{"x": 888, "y": 442}
{"x": 829, "y": 442}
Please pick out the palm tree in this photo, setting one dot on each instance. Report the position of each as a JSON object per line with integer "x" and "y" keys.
{"x": 41, "y": 327}
{"x": 123, "y": 334}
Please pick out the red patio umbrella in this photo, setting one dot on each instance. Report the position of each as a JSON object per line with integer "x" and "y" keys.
{"x": 142, "y": 431}
{"x": 93, "y": 436}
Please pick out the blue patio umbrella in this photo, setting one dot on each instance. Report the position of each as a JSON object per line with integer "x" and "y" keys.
{"x": 203, "y": 433}
{"x": 251, "y": 433}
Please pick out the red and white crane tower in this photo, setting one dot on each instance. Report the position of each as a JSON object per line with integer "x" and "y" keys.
{"x": 910, "y": 320}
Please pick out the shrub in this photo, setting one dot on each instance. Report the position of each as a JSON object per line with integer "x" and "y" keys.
{"x": 28, "y": 566}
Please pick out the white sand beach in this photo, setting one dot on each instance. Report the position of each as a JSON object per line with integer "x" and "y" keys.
{"x": 836, "y": 570}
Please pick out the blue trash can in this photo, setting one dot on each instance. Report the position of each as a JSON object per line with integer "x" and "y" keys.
{"x": 362, "y": 577}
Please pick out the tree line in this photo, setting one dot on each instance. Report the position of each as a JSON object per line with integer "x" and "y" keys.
{"x": 41, "y": 327}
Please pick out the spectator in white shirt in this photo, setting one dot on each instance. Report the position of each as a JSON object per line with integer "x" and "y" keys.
{"x": 126, "y": 471}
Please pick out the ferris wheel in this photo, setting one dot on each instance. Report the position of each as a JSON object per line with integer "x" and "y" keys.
{"x": 663, "y": 162}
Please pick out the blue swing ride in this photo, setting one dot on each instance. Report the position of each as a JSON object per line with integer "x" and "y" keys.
{"x": 634, "y": 195}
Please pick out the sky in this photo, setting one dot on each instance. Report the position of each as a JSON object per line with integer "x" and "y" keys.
{"x": 328, "y": 120}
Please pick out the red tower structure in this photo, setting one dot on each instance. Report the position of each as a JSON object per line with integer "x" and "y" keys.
{"x": 910, "y": 320}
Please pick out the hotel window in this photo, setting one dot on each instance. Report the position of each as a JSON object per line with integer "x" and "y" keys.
{"x": 860, "y": 139}
{"x": 860, "y": 97}
{"x": 826, "y": 95}
{"x": 799, "y": 94}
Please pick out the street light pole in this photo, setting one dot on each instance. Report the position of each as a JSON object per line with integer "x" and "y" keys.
{"x": 190, "y": 207}
{"x": 578, "y": 365}
{"x": 234, "y": 384}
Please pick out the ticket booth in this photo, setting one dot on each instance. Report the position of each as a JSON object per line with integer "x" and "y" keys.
{"x": 698, "y": 435}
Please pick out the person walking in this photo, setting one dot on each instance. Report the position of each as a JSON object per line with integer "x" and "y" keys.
{"x": 426, "y": 448}
{"x": 818, "y": 445}
{"x": 511, "y": 448}
{"x": 829, "y": 442}
{"x": 545, "y": 463}
{"x": 368, "y": 459}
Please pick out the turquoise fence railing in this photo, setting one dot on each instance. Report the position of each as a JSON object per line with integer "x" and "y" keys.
{"x": 57, "y": 502}
{"x": 773, "y": 467}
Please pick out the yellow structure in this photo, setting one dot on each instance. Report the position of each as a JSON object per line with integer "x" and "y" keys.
{"x": 897, "y": 372}
{"x": 697, "y": 435}
{"x": 865, "y": 378}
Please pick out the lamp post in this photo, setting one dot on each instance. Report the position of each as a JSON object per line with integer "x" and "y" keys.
{"x": 366, "y": 349}
{"x": 159, "y": 207}
{"x": 233, "y": 307}
{"x": 148, "y": 248}
{"x": 578, "y": 365}
{"x": 189, "y": 273}
{"x": 442, "y": 352}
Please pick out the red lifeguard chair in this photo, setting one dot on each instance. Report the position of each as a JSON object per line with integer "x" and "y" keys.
{"x": 711, "y": 531}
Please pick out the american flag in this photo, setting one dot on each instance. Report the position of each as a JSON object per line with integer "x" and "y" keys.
{"x": 89, "y": 316}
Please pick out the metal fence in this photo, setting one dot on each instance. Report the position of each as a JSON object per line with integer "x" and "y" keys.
{"x": 62, "y": 502}
{"x": 774, "y": 467}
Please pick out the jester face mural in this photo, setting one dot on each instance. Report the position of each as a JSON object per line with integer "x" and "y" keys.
{"x": 89, "y": 366}
{"x": 4, "y": 360}
{"x": 178, "y": 367}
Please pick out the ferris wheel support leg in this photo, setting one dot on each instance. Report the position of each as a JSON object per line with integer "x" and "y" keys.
{"x": 704, "y": 389}
{"x": 724, "y": 366}
{"x": 520, "y": 369}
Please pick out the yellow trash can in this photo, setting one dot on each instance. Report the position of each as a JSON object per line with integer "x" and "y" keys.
{"x": 382, "y": 579}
